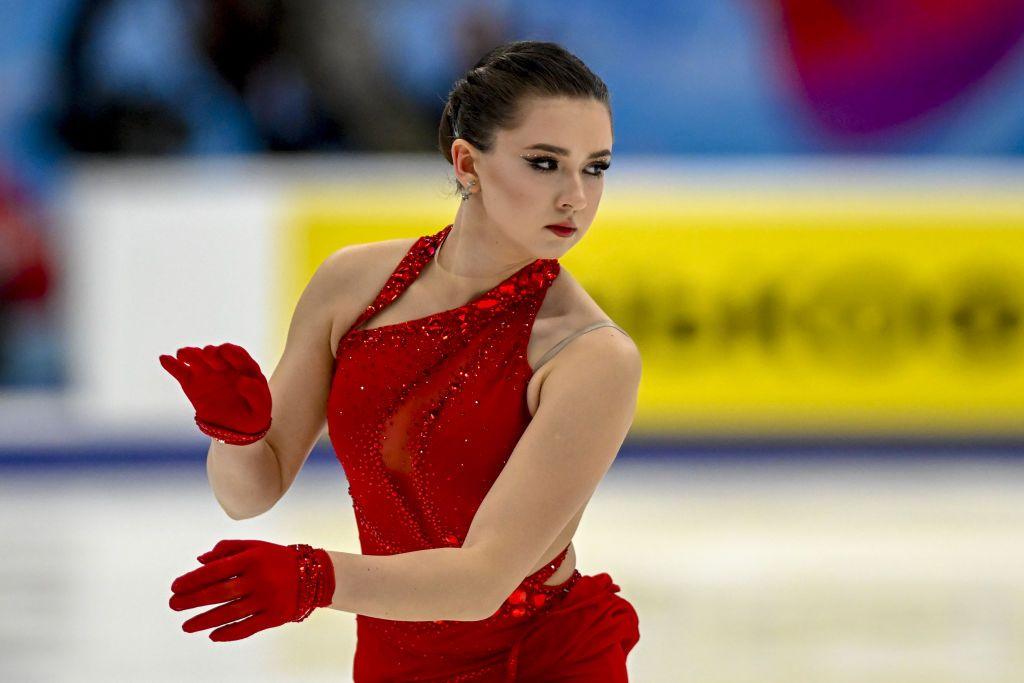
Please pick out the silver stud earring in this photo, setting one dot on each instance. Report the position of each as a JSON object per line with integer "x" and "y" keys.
{"x": 465, "y": 192}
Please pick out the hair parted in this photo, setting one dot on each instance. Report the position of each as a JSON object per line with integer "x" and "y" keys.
{"x": 487, "y": 98}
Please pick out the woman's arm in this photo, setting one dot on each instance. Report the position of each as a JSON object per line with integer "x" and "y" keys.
{"x": 249, "y": 480}
{"x": 246, "y": 480}
{"x": 587, "y": 404}
{"x": 423, "y": 585}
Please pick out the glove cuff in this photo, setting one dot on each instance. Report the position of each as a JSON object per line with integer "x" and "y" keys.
{"x": 230, "y": 436}
{"x": 316, "y": 579}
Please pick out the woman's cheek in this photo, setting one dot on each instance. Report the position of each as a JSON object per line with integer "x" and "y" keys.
{"x": 525, "y": 189}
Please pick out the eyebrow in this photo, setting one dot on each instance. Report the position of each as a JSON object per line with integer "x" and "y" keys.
{"x": 563, "y": 151}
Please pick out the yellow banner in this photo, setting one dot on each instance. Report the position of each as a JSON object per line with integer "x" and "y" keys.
{"x": 804, "y": 312}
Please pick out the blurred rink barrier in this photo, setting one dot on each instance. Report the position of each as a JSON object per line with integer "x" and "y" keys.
{"x": 776, "y": 299}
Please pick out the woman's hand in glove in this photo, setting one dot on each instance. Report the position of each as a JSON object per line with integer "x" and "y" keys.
{"x": 267, "y": 585}
{"x": 226, "y": 387}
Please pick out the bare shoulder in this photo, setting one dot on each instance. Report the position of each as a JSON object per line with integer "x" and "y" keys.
{"x": 367, "y": 258}
{"x": 569, "y": 308}
{"x": 603, "y": 349}
{"x": 355, "y": 273}
{"x": 603, "y": 365}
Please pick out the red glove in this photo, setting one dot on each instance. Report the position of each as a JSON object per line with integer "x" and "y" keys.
{"x": 273, "y": 584}
{"x": 227, "y": 388}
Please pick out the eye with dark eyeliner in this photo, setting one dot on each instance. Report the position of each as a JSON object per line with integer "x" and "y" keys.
{"x": 535, "y": 161}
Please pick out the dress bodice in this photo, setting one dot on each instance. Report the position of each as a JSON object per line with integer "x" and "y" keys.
{"x": 423, "y": 414}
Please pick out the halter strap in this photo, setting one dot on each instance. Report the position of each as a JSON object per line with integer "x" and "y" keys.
{"x": 560, "y": 345}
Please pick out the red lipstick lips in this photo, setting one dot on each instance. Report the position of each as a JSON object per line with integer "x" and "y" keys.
{"x": 561, "y": 230}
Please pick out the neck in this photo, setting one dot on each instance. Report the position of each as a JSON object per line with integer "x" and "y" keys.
{"x": 469, "y": 254}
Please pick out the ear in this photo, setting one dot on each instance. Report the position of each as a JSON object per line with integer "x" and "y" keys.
{"x": 464, "y": 158}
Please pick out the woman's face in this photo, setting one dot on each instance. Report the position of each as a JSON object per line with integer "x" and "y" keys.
{"x": 523, "y": 188}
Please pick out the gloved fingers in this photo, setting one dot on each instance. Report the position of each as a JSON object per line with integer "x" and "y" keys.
{"x": 255, "y": 393}
{"x": 245, "y": 628}
{"x": 220, "y": 615}
{"x": 213, "y": 359}
{"x": 225, "y": 548}
{"x": 230, "y": 355}
{"x": 240, "y": 359}
{"x": 178, "y": 370}
{"x": 193, "y": 357}
{"x": 221, "y": 591}
{"x": 209, "y": 574}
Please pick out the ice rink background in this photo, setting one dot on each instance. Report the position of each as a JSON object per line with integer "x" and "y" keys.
{"x": 786, "y": 567}
{"x": 830, "y": 561}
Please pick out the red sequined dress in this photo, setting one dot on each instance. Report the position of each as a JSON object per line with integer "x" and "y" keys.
{"x": 423, "y": 415}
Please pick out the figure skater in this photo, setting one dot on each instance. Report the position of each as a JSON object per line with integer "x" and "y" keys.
{"x": 475, "y": 396}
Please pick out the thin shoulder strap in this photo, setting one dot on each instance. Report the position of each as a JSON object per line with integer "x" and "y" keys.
{"x": 560, "y": 345}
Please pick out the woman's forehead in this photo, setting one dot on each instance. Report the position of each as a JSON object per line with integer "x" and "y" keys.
{"x": 577, "y": 125}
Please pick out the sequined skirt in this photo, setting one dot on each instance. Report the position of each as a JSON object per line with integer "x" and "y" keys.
{"x": 581, "y": 622}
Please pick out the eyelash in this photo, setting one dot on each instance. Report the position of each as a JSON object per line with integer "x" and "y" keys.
{"x": 603, "y": 165}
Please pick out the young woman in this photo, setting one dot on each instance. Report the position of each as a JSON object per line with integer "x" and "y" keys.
{"x": 475, "y": 396}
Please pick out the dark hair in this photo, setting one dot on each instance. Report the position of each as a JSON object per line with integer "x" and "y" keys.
{"x": 488, "y": 97}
